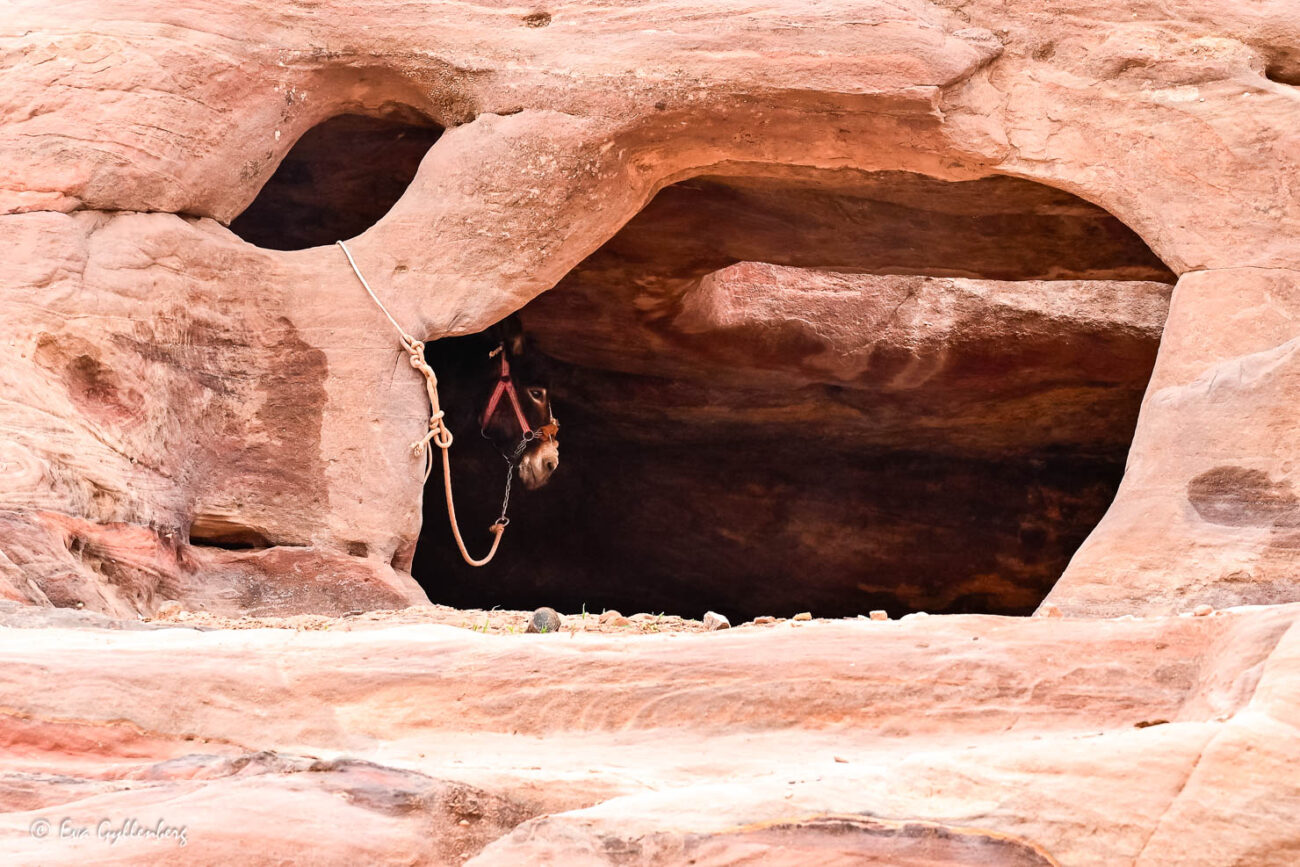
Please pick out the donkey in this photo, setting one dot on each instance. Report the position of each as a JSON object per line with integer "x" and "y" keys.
{"x": 492, "y": 384}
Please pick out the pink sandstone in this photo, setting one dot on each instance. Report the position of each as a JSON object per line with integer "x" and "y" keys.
{"x": 997, "y": 740}
{"x": 939, "y": 236}
{"x": 168, "y": 382}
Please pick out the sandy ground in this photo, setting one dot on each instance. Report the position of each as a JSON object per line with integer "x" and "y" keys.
{"x": 495, "y": 621}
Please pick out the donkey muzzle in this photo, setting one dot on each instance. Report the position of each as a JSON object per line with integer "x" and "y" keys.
{"x": 539, "y": 461}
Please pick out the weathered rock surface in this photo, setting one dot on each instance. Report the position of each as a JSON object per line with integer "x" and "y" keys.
{"x": 192, "y": 417}
{"x": 884, "y": 280}
{"x": 955, "y": 739}
{"x": 1207, "y": 511}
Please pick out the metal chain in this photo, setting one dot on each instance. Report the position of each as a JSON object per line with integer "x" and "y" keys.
{"x": 511, "y": 462}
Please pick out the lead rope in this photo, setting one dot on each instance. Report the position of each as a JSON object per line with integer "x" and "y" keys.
{"x": 438, "y": 433}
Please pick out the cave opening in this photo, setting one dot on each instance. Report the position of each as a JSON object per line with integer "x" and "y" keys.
{"x": 825, "y": 391}
{"x": 338, "y": 179}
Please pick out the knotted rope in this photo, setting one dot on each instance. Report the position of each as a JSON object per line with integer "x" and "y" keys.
{"x": 438, "y": 432}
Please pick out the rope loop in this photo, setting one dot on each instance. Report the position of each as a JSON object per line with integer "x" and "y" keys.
{"x": 439, "y": 434}
{"x": 442, "y": 437}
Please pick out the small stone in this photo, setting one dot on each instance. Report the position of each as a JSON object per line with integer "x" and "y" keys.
{"x": 879, "y": 614}
{"x": 1051, "y": 611}
{"x": 544, "y": 620}
{"x": 620, "y": 621}
{"x": 841, "y": 760}
{"x": 803, "y": 615}
{"x": 167, "y": 610}
{"x": 609, "y": 616}
{"x": 464, "y": 822}
{"x": 713, "y": 621}
{"x": 1202, "y": 611}
{"x": 760, "y": 621}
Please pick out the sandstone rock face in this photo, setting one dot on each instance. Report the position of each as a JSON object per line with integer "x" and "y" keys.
{"x": 1197, "y": 519}
{"x": 935, "y": 740}
{"x": 190, "y": 416}
{"x": 852, "y": 306}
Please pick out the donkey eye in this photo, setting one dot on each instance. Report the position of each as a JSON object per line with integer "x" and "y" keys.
{"x": 537, "y": 394}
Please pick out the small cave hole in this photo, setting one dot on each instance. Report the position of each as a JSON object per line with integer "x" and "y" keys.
{"x": 1281, "y": 73}
{"x": 214, "y": 531}
{"x": 814, "y": 391}
{"x": 338, "y": 180}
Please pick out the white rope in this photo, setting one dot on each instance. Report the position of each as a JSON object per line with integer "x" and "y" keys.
{"x": 406, "y": 338}
{"x": 438, "y": 432}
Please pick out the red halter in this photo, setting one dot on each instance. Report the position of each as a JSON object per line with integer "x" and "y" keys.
{"x": 506, "y": 385}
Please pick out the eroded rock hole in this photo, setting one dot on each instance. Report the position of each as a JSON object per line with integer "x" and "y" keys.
{"x": 829, "y": 391}
{"x": 1282, "y": 64}
{"x": 219, "y": 531}
{"x": 1283, "y": 74}
{"x": 338, "y": 180}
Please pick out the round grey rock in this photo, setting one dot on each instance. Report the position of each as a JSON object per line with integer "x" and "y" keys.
{"x": 544, "y": 620}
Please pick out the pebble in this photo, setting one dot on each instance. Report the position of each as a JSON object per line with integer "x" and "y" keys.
{"x": 713, "y": 621}
{"x": 610, "y": 615}
{"x": 544, "y": 620}
{"x": 759, "y": 621}
{"x": 841, "y": 760}
{"x": 464, "y": 822}
{"x": 1052, "y": 611}
{"x": 1202, "y": 611}
{"x": 803, "y": 615}
{"x": 878, "y": 614}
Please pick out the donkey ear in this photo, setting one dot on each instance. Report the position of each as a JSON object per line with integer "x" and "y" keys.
{"x": 512, "y": 334}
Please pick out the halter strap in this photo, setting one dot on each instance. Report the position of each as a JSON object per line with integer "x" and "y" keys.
{"x": 506, "y": 385}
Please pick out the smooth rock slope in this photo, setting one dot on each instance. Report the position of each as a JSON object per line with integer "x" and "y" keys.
{"x": 955, "y": 740}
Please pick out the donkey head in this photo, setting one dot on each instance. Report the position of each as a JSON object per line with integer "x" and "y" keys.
{"x": 517, "y": 417}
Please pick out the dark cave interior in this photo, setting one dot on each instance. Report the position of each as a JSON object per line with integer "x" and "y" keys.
{"x": 717, "y": 461}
